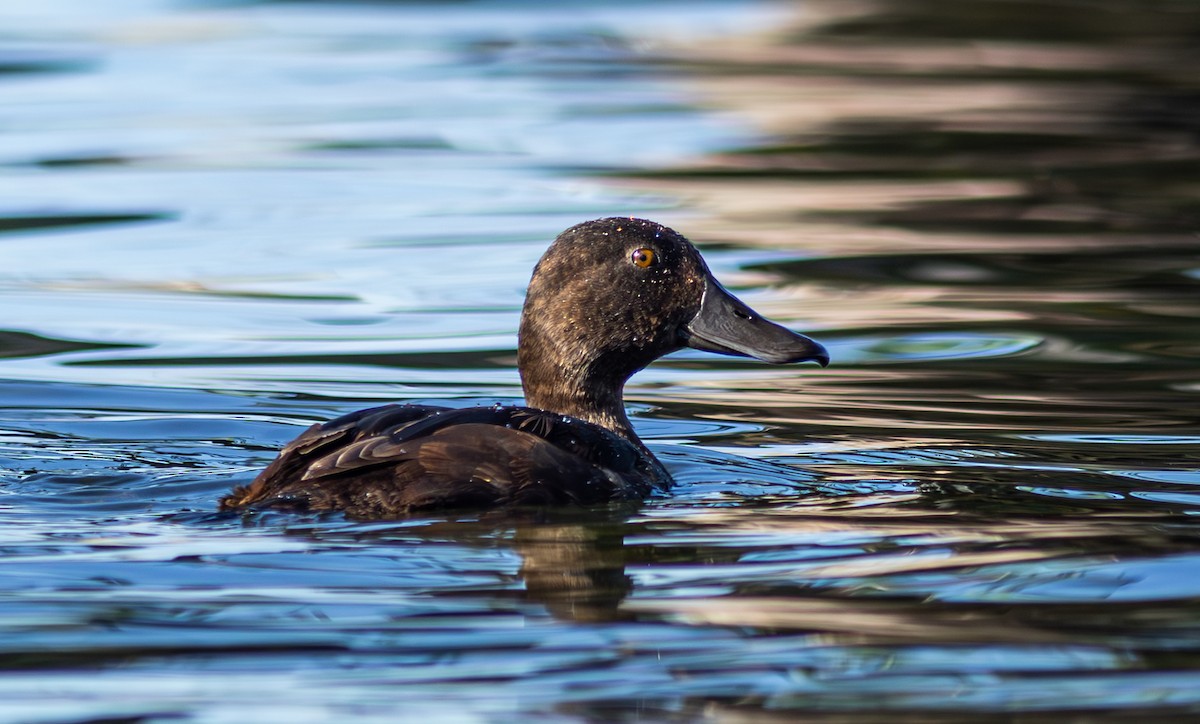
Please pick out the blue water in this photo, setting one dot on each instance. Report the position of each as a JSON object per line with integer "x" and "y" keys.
{"x": 221, "y": 222}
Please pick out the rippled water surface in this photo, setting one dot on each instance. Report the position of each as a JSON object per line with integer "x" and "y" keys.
{"x": 223, "y": 221}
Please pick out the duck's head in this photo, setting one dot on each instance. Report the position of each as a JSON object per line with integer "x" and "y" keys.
{"x": 611, "y": 296}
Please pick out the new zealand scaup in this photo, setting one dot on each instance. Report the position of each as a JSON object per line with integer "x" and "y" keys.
{"x": 606, "y": 299}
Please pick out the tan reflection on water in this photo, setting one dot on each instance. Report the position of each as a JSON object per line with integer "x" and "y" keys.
{"x": 854, "y": 621}
{"x": 846, "y": 552}
{"x": 848, "y": 594}
{"x": 818, "y": 93}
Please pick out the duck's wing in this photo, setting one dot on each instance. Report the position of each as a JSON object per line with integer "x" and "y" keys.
{"x": 321, "y": 439}
{"x": 403, "y": 458}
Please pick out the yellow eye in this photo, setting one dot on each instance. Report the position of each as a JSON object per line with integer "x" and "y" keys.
{"x": 642, "y": 257}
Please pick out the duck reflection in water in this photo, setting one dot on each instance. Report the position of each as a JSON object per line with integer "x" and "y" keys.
{"x": 575, "y": 566}
{"x": 606, "y": 299}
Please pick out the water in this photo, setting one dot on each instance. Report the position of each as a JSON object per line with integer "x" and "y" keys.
{"x": 221, "y": 222}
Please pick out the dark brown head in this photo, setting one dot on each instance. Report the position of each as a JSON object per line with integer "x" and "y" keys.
{"x": 611, "y": 296}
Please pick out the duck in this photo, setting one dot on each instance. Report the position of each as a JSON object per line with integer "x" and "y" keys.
{"x": 607, "y": 298}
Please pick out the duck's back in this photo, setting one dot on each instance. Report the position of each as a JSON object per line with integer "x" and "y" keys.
{"x": 399, "y": 459}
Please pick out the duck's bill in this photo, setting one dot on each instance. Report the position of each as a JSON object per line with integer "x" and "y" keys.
{"x": 725, "y": 325}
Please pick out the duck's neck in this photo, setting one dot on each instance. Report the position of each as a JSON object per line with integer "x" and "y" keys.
{"x": 603, "y": 406}
{"x": 568, "y": 385}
